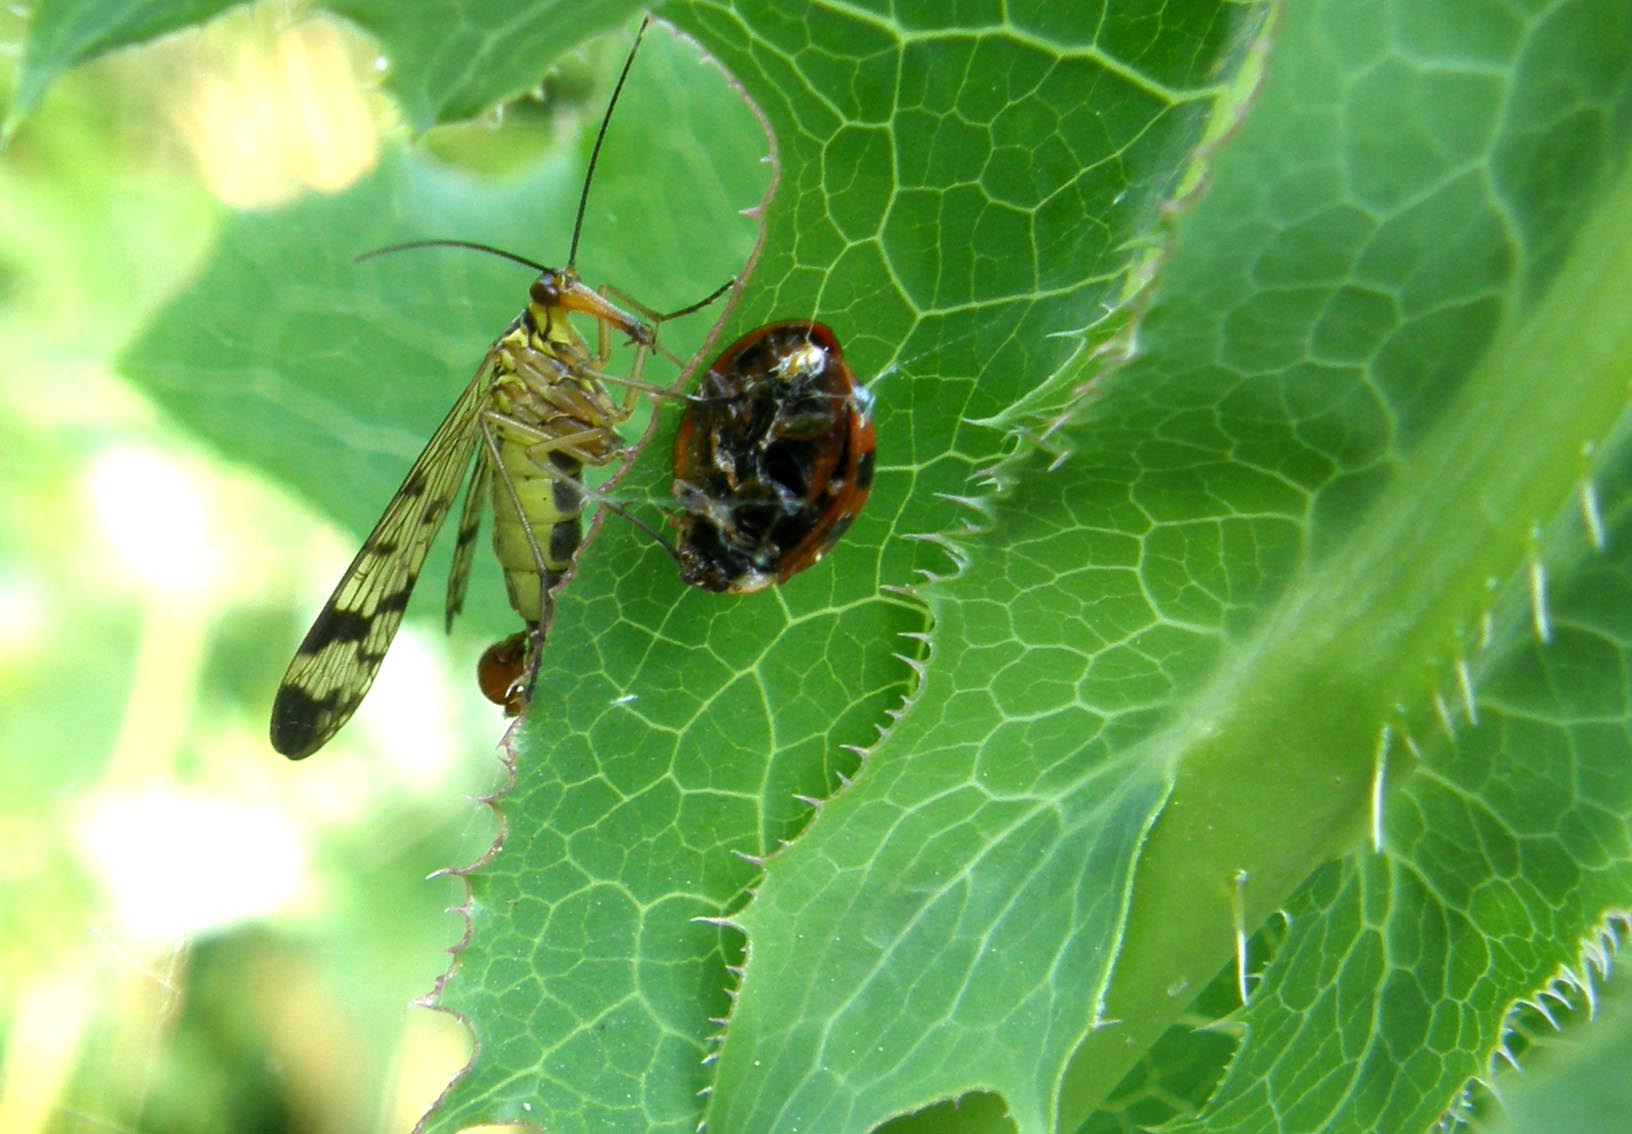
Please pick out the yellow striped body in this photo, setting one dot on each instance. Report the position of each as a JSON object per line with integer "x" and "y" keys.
{"x": 549, "y": 416}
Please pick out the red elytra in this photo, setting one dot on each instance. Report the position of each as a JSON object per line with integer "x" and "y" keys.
{"x": 773, "y": 460}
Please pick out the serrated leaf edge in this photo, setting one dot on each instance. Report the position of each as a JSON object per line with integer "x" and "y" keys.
{"x": 1573, "y": 986}
{"x": 432, "y": 1000}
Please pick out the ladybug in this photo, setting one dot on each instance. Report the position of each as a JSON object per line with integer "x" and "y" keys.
{"x": 773, "y": 460}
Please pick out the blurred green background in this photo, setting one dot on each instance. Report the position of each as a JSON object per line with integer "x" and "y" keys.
{"x": 196, "y": 934}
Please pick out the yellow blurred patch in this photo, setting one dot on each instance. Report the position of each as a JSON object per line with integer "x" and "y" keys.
{"x": 269, "y": 112}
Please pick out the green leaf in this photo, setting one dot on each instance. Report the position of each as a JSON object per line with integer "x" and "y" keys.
{"x": 1252, "y": 563}
{"x": 1574, "y": 1081}
{"x": 1502, "y": 858}
{"x": 1494, "y": 381}
{"x": 64, "y": 33}
{"x": 677, "y": 729}
{"x": 448, "y": 60}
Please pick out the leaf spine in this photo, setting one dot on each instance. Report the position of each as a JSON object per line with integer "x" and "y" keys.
{"x": 1464, "y": 682}
{"x": 1540, "y": 619}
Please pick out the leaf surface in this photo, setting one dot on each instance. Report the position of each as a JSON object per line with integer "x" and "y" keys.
{"x": 934, "y": 182}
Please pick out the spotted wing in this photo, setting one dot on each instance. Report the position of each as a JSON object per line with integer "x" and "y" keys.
{"x": 464, "y": 545}
{"x": 336, "y": 664}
